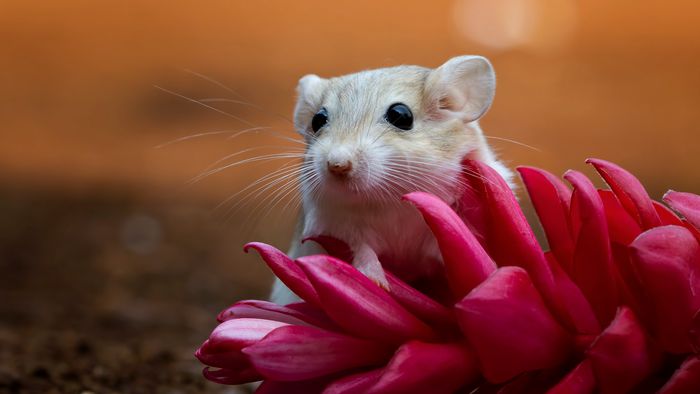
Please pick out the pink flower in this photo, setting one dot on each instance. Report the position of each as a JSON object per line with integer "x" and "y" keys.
{"x": 612, "y": 307}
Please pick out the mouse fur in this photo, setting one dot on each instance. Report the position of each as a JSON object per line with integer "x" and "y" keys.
{"x": 363, "y": 206}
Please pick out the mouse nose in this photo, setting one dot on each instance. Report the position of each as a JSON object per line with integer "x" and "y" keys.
{"x": 340, "y": 169}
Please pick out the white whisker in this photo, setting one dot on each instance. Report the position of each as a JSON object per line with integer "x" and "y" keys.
{"x": 205, "y": 105}
{"x": 513, "y": 142}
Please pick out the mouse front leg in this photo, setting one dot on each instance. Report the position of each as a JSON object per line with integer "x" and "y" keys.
{"x": 367, "y": 262}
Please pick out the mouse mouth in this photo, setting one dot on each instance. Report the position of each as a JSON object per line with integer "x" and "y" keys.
{"x": 384, "y": 183}
{"x": 352, "y": 185}
{"x": 355, "y": 189}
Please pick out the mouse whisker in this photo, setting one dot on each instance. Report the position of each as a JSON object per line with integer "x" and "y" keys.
{"x": 420, "y": 172}
{"x": 279, "y": 172}
{"x": 245, "y": 103}
{"x": 512, "y": 141}
{"x": 282, "y": 192}
{"x": 231, "y": 155}
{"x": 281, "y": 187}
{"x": 297, "y": 197}
{"x": 233, "y": 92}
{"x": 297, "y": 153}
{"x": 427, "y": 179}
{"x": 274, "y": 156}
{"x": 205, "y": 105}
{"x": 273, "y": 134}
{"x": 393, "y": 189}
{"x": 439, "y": 174}
{"x": 207, "y": 133}
{"x": 235, "y": 134}
{"x": 286, "y": 175}
{"x": 213, "y": 81}
{"x": 415, "y": 182}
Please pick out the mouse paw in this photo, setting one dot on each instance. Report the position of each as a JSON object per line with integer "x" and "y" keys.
{"x": 374, "y": 271}
{"x": 367, "y": 262}
{"x": 381, "y": 282}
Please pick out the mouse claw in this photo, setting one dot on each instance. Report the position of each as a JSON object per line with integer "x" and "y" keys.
{"x": 367, "y": 262}
{"x": 382, "y": 283}
{"x": 374, "y": 271}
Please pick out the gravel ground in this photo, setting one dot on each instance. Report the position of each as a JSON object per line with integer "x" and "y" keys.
{"x": 108, "y": 294}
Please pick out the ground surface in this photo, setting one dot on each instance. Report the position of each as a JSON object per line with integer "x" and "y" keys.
{"x": 106, "y": 294}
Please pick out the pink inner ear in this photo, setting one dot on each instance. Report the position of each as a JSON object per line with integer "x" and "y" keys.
{"x": 445, "y": 103}
{"x": 451, "y": 100}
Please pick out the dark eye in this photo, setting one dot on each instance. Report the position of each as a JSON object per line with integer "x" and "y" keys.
{"x": 319, "y": 120}
{"x": 400, "y": 116}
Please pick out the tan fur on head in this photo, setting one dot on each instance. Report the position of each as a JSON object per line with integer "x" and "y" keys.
{"x": 446, "y": 103}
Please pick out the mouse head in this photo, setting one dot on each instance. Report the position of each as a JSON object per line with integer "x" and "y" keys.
{"x": 377, "y": 134}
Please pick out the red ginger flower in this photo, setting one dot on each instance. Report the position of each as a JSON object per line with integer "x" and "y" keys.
{"x": 611, "y": 308}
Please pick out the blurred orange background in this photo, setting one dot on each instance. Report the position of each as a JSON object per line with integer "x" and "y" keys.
{"x": 95, "y": 209}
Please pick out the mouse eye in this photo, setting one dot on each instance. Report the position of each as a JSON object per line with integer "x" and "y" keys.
{"x": 400, "y": 116}
{"x": 319, "y": 120}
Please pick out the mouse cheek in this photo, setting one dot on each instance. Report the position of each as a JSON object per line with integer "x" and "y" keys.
{"x": 373, "y": 165}
{"x": 314, "y": 161}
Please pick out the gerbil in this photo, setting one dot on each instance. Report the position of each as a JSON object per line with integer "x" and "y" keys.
{"x": 375, "y": 135}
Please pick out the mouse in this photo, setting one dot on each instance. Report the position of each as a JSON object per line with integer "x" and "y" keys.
{"x": 375, "y": 135}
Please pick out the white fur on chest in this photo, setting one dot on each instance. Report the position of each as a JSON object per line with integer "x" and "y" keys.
{"x": 394, "y": 230}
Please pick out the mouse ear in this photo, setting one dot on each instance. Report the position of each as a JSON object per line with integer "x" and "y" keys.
{"x": 463, "y": 87}
{"x": 310, "y": 90}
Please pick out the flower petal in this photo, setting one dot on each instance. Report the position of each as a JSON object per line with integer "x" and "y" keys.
{"x": 551, "y": 199}
{"x": 353, "y": 384}
{"x": 231, "y": 359}
{"x": 579, "y": 311}
{"x": 667, "y": 262}
{"x": 333, "y": 246}
{"x": 286, "y": 270}
{"x": 235, "y": 334}
{"x": 622, "y": 356}
{"x": 629, "y": 191}
{"x": 688, "y": 204}
{"x": 413, "y": 300}
{"x": 419, "y": 367}
{"x": 509, "y": 327}
{"x": 223, "y": 348}
{"x": 592, "y": 267}
{"x": 510, "y": 241}
{"x": 579, "y": 381}
{"x": 693, "y": 229}
{"x": 358, "y": 305}
{"x": 294, "y": 353}
{"x": 686, "y": 379}
{"x": 694, "y": 333}
{"x": 418, "y": 303}
{"x": 504, "y": 224}
{"x": 622, "y": 228}
{"x": 666, "y": 215}
{"x": 466, "y": 262}
{"x": 310, "y": 386}
{"x": 231, "y": 376}
{"x": 270, "y": 311}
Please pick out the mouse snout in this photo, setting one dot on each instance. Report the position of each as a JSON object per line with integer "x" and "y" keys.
{"x": 339, "y": 162}
{"x": 340, "y": 168}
